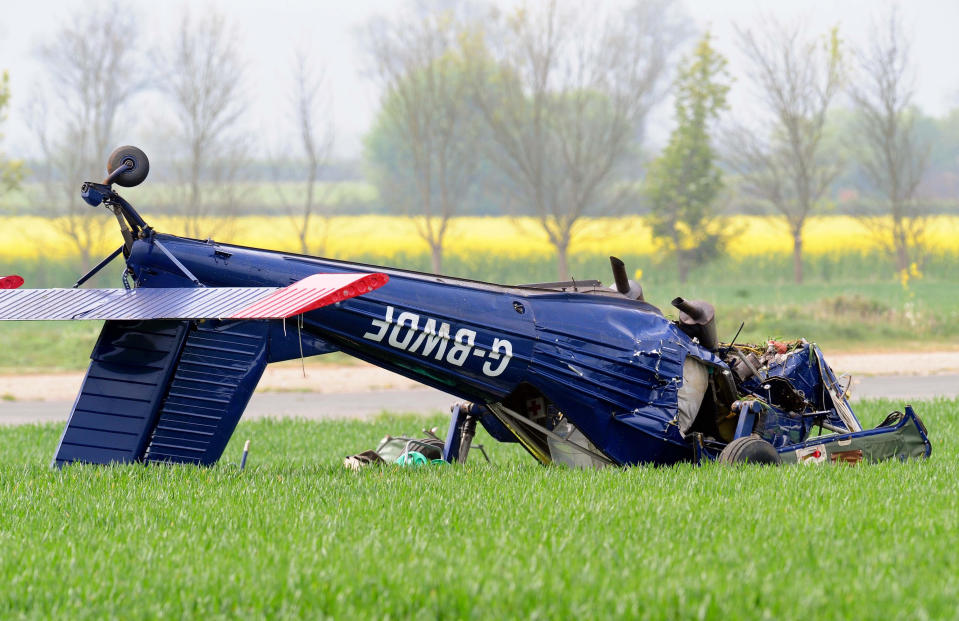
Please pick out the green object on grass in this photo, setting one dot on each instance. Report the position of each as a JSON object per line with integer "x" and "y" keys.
{"x": 412, "y": 458}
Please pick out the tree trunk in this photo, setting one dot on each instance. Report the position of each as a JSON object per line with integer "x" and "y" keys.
{"x": 797, "y": 255}
{"x": 562, "y": 261}
{"x": 85, "y": 261}
{"x": 193, "y": 206}
{"x": 682, "y": 266}
{"x": 308, "y": 207}
{"x": 436, "y": 256}
{"x": 900, "y": 243}
{"x": 324, "y": 235}
{"x": 304, "y": 247}
{"x": 902, "y": 256}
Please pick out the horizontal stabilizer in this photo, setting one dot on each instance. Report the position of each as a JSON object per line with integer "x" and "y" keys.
{"x": 186, "y": 303}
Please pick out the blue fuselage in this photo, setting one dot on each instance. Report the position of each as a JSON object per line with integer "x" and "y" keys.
{"x": 610, "y": 364}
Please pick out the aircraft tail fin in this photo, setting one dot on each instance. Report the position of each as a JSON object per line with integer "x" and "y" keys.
{"x": 170, "y": 391}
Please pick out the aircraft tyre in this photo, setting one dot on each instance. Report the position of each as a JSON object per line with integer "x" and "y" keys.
{"x": 749, "y": 449}
{"x": 135, "y": 175}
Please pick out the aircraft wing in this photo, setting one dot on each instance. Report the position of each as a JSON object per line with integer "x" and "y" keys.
{"x": 186, "y": 303}
{"x": 10, "y": 282}
{"x": 161, "y": 387}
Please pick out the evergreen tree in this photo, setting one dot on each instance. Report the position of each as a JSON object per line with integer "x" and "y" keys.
{"x": 685, "y": 181}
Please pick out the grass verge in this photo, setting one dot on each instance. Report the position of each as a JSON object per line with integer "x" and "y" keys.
{"x": 843, "y": 316}
{"x": 296, "y": 535}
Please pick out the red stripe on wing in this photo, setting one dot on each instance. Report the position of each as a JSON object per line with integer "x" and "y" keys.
{"x": 10, "y": 282}
{"x": 311, "y": 293}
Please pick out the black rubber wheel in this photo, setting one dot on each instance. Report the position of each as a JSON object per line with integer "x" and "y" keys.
{"x": 750, "y": 449}
{"x": 133, "y": 176}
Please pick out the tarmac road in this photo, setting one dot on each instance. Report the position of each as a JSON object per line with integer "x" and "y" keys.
{"x": 368, "y": 404}
{"x": 906, "y": 387}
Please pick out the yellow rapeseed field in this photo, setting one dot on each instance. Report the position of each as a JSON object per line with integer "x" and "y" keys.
{"x": 387, "y": 236}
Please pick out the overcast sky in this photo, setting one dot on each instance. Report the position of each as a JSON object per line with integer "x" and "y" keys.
{"x": 271, "y": 29}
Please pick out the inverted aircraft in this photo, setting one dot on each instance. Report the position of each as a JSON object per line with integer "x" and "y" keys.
{"x": 575, "y": 372}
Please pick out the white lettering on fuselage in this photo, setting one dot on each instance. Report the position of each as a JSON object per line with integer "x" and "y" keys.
{"x": 406, "y": 334}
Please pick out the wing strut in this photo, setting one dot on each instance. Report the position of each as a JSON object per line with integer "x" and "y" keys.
{"x": 180, "y": 266}
{"x": 99, "y": 266}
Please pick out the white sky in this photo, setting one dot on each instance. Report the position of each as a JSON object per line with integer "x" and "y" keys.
{"x": 271, "y": 29}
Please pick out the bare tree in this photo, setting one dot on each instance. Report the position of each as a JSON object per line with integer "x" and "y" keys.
{"x": 565, "y": 97}
{"x": 782, "y": 161}
{"x": 892, "y": 155}
{"x": 11, "y": 171}
{"x": 426, "y": 118}
{"x": 87, "y": 81}
{"x": 314, "y": 128}
{"x": 204, "y": 82}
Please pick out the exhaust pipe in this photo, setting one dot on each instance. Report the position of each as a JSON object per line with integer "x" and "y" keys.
{"x": 619, "y": 274}
{"x": 629, "y": 288}
{"x": 698, "y": 319}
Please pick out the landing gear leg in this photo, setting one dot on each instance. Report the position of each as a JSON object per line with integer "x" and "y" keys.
{"x": 459, "y": 438}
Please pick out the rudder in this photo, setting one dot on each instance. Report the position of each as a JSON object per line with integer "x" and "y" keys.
{"x": 164, "y": 391}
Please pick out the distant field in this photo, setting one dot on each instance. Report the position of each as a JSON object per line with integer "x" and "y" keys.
{"x": 295, "y": 535}
{"x": 260, "y": 197}
{"x": 757, "y": 238}
{"x": 852, "y": 297}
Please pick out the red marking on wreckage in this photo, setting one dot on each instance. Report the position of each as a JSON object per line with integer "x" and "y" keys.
{"x": 311, "y": 293}
{"x": 11, "y": 282}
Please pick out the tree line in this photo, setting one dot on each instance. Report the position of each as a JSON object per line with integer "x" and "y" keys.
{"x": 541, "y": 110}
{"x": 553, "y": 98}
{"x": 85, "y": 103}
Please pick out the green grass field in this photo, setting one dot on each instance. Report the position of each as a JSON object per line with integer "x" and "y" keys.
{"x": 296, "y": 535}
{"x": 258, "y": 197}
{"x": 849, "y": 314}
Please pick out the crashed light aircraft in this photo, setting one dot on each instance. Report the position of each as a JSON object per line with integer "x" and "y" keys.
{"x": 576, "y": 373}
